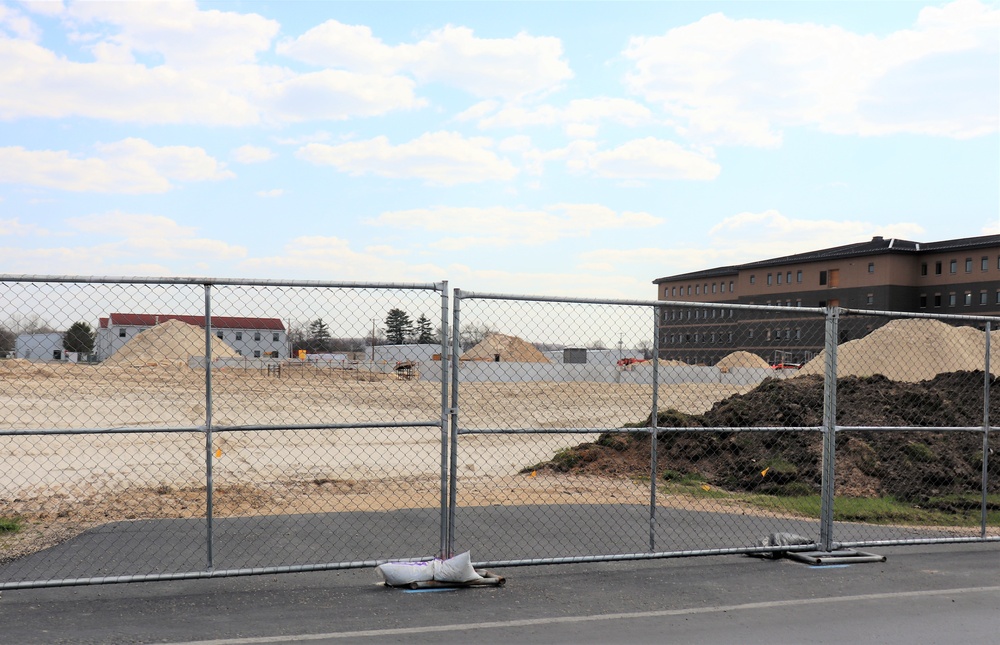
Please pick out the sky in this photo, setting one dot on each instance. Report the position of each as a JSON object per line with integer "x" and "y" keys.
{"x": 566, "y": 149}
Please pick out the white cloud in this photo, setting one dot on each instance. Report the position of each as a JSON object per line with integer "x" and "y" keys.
{"x": 580, "y": 117}
{"x": 745, "y": 237}
{"x": 326, "y": 256}
{"x": 179, "y": 64}
{"x": 252, "y": 154}
{"x": 453, "y": 55}
{"x": 131, "y": 244}
{"x": 439, "y": 158}
{"x": 19, "y": 25}
{"x": 15, "y": 227}
{"x": 274, "y": 192}
{"x": 743, "y": 81}
{"x": 498, "y": 226}
{"x": 177, "y": 31}
{"x": 127, "y": 166}
{"x": 337, "y": 95}
{"x": 647, "y": 158}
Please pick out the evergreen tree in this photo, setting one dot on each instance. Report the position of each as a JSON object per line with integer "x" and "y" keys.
{"x": 398, "y": 326}
{"x": 319, "y": 340}
{"x": 424, "y": 332}
{"x": 79, "y": 338}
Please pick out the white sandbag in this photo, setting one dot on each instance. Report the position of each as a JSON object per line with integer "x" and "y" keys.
{"x": 404, "y": 573}
{"x": 457, "y": 569}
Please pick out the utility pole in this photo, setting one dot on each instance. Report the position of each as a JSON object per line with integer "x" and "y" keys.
{"x": 373, "y": 341}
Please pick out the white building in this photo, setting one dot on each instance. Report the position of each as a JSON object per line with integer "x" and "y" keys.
{"x": 250, "y": 337}
{"x": 40, "y": 347}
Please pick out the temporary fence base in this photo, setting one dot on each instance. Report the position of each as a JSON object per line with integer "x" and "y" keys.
{"x": 841, "y": 556}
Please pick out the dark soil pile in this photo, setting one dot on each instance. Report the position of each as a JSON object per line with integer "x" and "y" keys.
{"x": 911, "y": 466}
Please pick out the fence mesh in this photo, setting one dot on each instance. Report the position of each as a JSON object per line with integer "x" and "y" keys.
{"x": 308, "y": 452}
{"x": 159, "y": 428}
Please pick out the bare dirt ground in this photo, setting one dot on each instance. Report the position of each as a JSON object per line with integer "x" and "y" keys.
{"x": 62, "y": 484}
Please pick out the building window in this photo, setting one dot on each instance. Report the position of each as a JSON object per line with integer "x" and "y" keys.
{"x": 769, "y": 279}
{"x": 239, "y": 335}
{"x": 953, "y": 266}
{"x": 798, "y": 333}
{"x": 768, "y": 335}
{"x": 983, "y": 299}
{"x": 256, "y": 335}
{"x": 798, "y": 302}
{"x": 750, "y": 332}
{"x": 871, "y": 267}
{"x": 822, "y": 278}
{"x": 788, "y": 303}
{"x": 779, "y": 278}
{"x": 689, "y": 290}
{"x": 275, "y": 336}
{"x": 788, "y": 334}
{"x": 219, "y": 334}
{"x": 753, "y": 279}
{"x": 937, "y": 268}
{"x": 256, "y": 353}
{"x": 705, "y": 288}
{"x": 998, "y": 297}
{"x": 788, "y": 278}
{"x": 923, "y": 268}
{"x": 697, "y": 289}
{"x": 722, "y": 287}
{"x": 798, "y": 276}
{"x": 937, "y": 299}
{"x": 968, "y": 298}
{"x": 730, "y": 286}
{"x": 870, "y": 299}
{"x": 968, "y": 265}
{"x": 985, "y": 265}
{"x": 923, "y": 301}
{"x": 673, "y": 291}
{"x": 951, "y": 300}
{"x": 714, "y": 285}
{"x": 121, "y": 333}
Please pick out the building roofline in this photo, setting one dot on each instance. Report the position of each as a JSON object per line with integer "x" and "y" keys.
{"x": 876, "y": 246}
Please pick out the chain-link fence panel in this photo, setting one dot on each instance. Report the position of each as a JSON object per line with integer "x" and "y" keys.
{"x": 555, "y": 458}
{"x": 911, "y": 461}
{"x": 173, "y": 427}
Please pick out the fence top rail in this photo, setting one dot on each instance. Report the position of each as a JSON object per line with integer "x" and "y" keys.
{"x": 475, "y": 295}
{"x": 249, "y": 282}
{"x": 912, "y": 314}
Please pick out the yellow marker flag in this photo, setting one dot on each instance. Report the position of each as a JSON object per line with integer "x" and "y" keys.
{"x": 218, "y": 452}
{"x": 706, "y": 487}
{"x": 533, "y": 473}
{"x": 763, "y": 473}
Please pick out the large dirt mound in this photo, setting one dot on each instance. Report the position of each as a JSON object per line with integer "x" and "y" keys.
{"x": 169, "y": 343}
{"x": 912, "y": 350}
{"x": 869, "y": 463}
{"x": 742, "y": 359}
{"x": 510, "y": 349}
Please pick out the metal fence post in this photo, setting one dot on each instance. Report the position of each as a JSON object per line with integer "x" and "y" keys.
{"x": 209, "y": 486}
{"x": 653, "y": 431}
{"x": 453, "y": 470}
{"x": 986, "y": 433}
{"x": 829, "y": 429}
{"x": 444, "y": 420}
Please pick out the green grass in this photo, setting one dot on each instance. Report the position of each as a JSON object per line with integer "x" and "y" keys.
{"x": 954, "y": 510}
{"x": 10, "y": 525}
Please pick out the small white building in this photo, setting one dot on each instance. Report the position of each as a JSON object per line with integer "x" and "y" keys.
{"x": 45, "y": 347}
{"x": 250, "y": 337}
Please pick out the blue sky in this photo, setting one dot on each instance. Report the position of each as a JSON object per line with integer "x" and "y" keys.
{"x": 570, "y": 149}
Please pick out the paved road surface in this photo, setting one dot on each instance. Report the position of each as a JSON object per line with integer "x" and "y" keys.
{"x": 921, "y": 594}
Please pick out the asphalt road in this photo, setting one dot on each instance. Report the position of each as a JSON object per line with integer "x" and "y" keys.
{"x": 921, "y": 594}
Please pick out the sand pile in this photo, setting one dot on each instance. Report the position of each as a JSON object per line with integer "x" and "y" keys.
{"x": 23, "y": 367}
{"x": 912, "y": 350}
{"x": 169, "y": 343}
{"x": 511, "y": 349}
{"x": 742, "y": 359}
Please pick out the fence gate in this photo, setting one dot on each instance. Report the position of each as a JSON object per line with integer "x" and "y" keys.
{"x": 558, "y": 457}
{"x": 169, "y": 428}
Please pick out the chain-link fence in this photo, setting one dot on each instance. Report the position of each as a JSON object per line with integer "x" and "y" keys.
{"x": 554, "y": 451}
{"x": 185, "y": 428}
{"x": 158, "y": 429}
